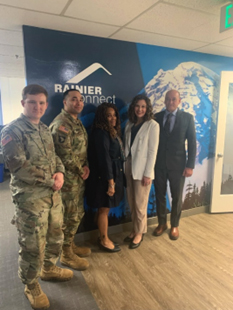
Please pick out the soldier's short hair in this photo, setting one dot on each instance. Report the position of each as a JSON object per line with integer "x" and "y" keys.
{"x": 34, "y": 89}
{"x": 68, "y": 91}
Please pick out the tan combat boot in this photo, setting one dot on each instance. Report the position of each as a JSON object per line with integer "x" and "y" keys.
{"x": 68, "y": 258}
{"x": 55, "y": 273}
{"x": 81, "y": 251}
{"x": 36, "y": 296}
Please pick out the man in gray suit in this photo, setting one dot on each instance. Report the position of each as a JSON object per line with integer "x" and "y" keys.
{"x": 172, "y": 164}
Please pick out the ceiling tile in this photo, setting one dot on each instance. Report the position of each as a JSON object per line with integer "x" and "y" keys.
{"x": 217, "y": 50}
{"x": 170, "y": 20}
{"x": 117, "y": 12}
{"x": 11, "y": 18}
{"x": 156, "y": 39}
{"x": 209, "y": 32}
{"x": 183, "y": 24}
{"x": 208, "y": 6}
{"x": 11, "y": 37}
{"x": 227, "y": 42}
{"x": 48, "y": 6}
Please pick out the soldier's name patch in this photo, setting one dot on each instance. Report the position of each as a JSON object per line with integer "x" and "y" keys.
{"x": 6, "y": 140}
{"x": 61, "y": 139}
{"x": 63, "y": 129}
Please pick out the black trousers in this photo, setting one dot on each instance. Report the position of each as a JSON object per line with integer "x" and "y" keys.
{"x": 176, "y": 182}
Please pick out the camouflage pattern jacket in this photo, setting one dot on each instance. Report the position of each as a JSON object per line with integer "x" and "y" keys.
{"x": 29, "y": 154}
{"x": 70, "y": 140}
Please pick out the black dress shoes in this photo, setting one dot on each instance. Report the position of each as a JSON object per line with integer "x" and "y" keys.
{"x": 115, "y": 243}
{"x": 128, "y": 239}
{"x": 104, "y": 248}
{"x": 135, "y": 245}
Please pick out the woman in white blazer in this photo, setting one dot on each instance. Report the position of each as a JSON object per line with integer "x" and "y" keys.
{"x": 141, "y": 144}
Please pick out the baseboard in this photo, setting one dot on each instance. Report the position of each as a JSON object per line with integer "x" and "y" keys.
{"x": 92, "y": 235}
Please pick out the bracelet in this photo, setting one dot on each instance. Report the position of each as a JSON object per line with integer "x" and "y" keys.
{"x": 111, "y": 185}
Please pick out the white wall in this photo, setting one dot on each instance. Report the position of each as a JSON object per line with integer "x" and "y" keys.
{"x": 11, "y": 89}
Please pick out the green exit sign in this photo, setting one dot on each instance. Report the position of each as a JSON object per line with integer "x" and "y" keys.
{"x": 226, "y": 17}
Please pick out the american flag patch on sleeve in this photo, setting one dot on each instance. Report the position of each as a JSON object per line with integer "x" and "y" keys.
{"x": 63, "y": 129}
{"x": 6, "y": 140}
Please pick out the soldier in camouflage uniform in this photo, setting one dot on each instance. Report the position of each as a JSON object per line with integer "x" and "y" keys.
{"x": 70, "y": 140}
{"x": 36, "y": 178}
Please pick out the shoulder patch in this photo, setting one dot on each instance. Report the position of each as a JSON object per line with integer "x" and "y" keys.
{"x": 63, "y": 129}
{"x": 61, "y": 139}
{"x": 6, "y": 140}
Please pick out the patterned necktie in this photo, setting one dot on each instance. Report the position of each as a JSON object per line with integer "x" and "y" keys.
{"x": 167, "y": 124}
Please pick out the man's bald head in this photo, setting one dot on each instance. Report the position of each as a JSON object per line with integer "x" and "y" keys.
{"x": 172, "y": 100}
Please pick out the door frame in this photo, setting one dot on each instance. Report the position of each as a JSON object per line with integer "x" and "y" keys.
{"x": 221, "y": 203}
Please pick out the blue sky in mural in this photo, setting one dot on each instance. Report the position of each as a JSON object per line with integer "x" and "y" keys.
{"x": 153, "y": 58}
{"x": 196, "y": 76}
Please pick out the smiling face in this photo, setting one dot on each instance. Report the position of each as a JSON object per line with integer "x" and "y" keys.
{"x": 172, "y": 100}
{"x": 111, "y": 117}
{"x": 73, "y": 103}
{"x": 140, "y": 109}
{"x": 34, "y": 107}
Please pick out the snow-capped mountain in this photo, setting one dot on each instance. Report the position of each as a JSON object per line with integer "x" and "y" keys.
{"x": 199, "y": 92}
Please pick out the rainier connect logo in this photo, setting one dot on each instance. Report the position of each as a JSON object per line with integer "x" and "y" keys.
{"x": 91, "y": 94}
{"x": 86, "y": 72}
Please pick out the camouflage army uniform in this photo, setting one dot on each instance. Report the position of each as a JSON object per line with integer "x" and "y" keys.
{"x": 70, "y": 140}
{"x": 29, "y": 154}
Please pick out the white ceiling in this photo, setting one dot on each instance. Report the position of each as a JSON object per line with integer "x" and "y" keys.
{"x": 184, "y": 24}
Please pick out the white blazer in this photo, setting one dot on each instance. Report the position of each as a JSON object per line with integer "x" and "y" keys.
{"x": 143, "y": 150}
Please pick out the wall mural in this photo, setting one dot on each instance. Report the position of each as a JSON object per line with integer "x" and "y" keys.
{"x": 115, "y": 71}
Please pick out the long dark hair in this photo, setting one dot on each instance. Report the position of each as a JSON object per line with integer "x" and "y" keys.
{"x": 101, "y": 120}
{"x": 149, "y": 113}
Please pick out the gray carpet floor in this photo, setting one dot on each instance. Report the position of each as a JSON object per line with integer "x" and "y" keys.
{"x": 71, "y": 295}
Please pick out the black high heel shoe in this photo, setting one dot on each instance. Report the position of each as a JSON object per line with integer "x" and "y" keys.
{"x": 98, "y": 241}
{"x": 135, "y": 245}
{"x": 128, "y": 239}
{"x": 104, "y": 248}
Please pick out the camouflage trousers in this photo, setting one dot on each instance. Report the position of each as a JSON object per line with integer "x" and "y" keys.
{"x": 73, "y": 212}
{"x": 39, "y": 224}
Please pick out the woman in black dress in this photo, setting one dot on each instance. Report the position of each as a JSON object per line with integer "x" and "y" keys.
{"x": 105, "y": 186}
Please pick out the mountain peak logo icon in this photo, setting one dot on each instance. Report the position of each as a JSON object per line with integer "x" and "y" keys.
{"x": 86, "y": 72}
